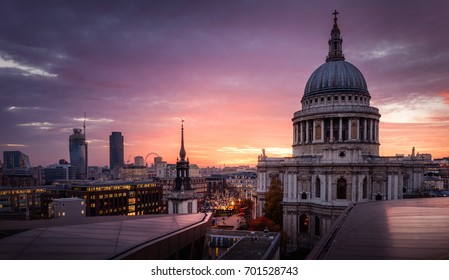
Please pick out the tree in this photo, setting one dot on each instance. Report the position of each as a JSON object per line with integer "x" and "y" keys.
{"x": 273, "y": 201}
{"x": 259, "y": 224}
{"x": 221, "y": 199}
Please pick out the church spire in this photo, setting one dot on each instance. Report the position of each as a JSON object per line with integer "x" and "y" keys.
{"x": 182, "y": 152}
{"x": 335, "y": 42}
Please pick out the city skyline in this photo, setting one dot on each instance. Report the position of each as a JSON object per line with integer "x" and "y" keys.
{"x": 234, "y": 70}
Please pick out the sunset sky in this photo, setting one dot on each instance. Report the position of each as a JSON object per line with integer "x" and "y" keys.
{"x": 234, "y": 70}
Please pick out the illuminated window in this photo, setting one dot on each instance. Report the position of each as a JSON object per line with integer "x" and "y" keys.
{"x": 303, "y": 223}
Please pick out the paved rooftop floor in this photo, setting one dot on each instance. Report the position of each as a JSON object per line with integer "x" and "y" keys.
{"x": 400, "y": 229}
{"x": 97, "y": 238}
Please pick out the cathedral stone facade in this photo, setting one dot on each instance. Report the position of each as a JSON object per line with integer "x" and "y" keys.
{"x": 335, "y": 159}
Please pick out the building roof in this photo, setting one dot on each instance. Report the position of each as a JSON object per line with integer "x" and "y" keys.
{"x": 88, "y": 238}
{"x": 392, "y": 229}
{"x": 251, "y": 246}
{"x": 64, "y": 199}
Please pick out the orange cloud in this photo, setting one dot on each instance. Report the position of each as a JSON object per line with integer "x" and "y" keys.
{"x": 445, "y": 96}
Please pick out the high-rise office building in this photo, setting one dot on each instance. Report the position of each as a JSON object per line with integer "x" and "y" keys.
{"x": 15, "y": 159}
{"x": 116, "y": 150}
{"x": 78, "y": 152}
{"x": 139, "y": 161}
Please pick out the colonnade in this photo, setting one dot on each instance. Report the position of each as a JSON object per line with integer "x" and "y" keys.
{"x": 336, "y": 129}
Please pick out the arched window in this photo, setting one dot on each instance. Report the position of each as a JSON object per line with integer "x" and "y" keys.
{"x": 317, "y": 226}
{"x": 365, "y": 189}
{"x": 317, "y": 187}
{"x": 341, "y": 188}
{"x": 303, "y": 223}
{"x": 303, "y": 195}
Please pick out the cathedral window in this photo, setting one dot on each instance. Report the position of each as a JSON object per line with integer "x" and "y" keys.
{"x": 343, "y": 98}
{"x": 355, "y": 98}
{"x": 303, "y": 195}
{"x": 322, "y": 99}
{"x": 317, "y": 226}
{"x": 317, "y": 187}
{"x": 175, "y": 208}
{"x": 341, "y": 188}
{"x": 349, "y": 98}
{"x": 336, "y": 98}
{"x": 365, "y": 189}
{"x": 329, "y": 98}
{"x": 303, "y": 223}
{"x": 318, "y": 131}
{"x": 189, "y": 207}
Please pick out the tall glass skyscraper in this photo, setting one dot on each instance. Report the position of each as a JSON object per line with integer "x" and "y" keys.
{"x": 78, "y": 153}
{"x": 116, "y": 150}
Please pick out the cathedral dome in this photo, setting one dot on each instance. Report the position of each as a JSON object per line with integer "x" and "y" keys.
{"x": 336, "y": 76}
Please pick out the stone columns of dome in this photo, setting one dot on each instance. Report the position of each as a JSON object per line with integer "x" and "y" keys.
{"x": 377, "y": 131}
{"x": 371, "y": 134}
{"x": 301, "y": 136}
{"x": 322, "y": 131}
{"x": 331, "y": 130}
{"x": 349, "y": 129}
{"x": 340, "y": 130}
{"x": 307, "y": 131}
{"x": 365, "y": 131}
{"x": 295, "y": 133}
{"x": 314, "y": 136}
{"x": 358, "y": 129}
